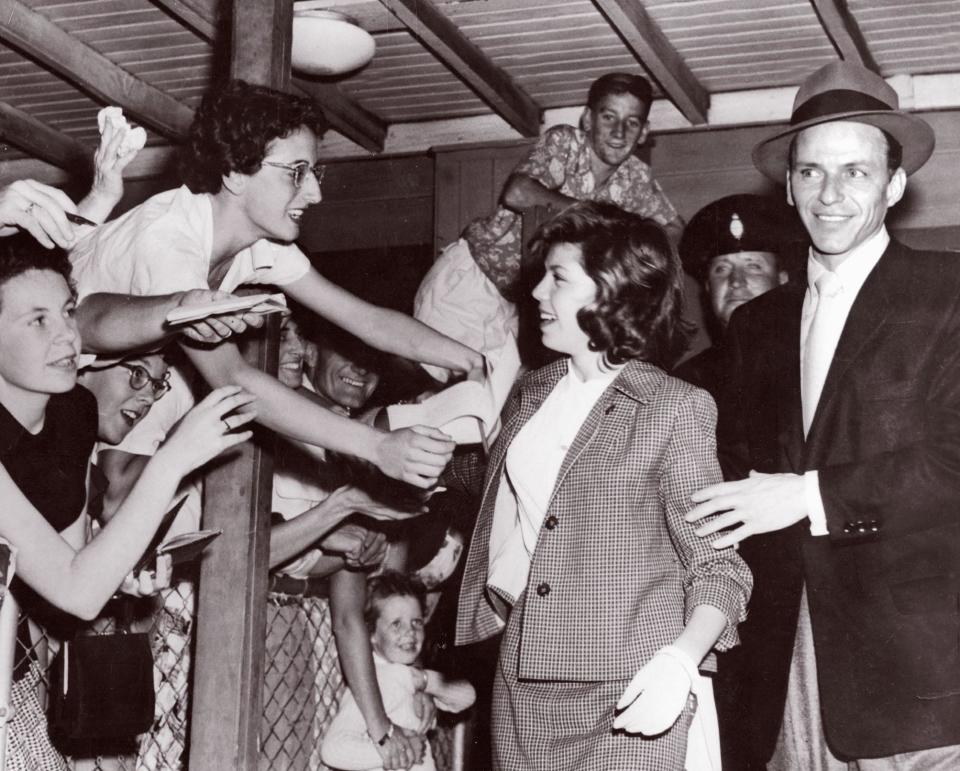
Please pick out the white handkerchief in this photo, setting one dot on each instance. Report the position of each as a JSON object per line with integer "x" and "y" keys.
{"x": 134, "y": 138}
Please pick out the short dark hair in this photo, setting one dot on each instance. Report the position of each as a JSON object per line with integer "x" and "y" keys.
{"x": 391, "y": 583}
{"x": 894, "y": 151}
{"x": 22, "y": 253}
{"x": 615, "y": 83}
{"x": 234, "y": 125}
{"x": 639, "y": 305}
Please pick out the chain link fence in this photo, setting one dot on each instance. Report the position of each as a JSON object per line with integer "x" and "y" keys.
{"x": 168, "y": 619}
{"x": 303, "y": 685}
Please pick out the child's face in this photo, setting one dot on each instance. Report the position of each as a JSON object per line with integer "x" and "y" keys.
{"x": 398, "y": 635}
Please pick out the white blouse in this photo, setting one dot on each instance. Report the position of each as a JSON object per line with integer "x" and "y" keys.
{"x": 532, "y": 465}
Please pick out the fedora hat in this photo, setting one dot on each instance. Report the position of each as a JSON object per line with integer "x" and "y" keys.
{"x": 842, "y": 91}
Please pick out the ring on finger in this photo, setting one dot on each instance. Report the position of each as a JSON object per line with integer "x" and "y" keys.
{"x": 29, "y": 210}
{"x": 226, "y": 424}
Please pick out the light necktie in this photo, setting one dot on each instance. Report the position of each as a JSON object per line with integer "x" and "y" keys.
{"x": 818, "y": 352}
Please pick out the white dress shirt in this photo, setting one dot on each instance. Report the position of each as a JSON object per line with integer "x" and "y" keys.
{"x": 852, "y": 272}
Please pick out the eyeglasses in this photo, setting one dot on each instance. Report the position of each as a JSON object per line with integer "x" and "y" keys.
{"x": 140, "y": 378}
{"x": 299, "y": 170}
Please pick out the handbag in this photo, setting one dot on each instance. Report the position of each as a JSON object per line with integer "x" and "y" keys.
{"x": 101, "y": 687}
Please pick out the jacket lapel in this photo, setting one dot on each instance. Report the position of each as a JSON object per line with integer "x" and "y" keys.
{"x": 637, "y": 380}
{"x": 787, "y": 367}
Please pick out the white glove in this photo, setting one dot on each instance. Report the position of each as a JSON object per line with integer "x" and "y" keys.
{"x": 657, "y": 694}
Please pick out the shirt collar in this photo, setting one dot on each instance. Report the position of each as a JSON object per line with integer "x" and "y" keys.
{"x": 854, "y": 270}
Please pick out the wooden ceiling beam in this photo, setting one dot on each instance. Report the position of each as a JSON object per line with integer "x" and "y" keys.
{"x": 369, "y": 14}
{"x": 41, "y": 39}
{"x": 844, "y": 32}
{"x": 41, "y": 141}
{"x": 202, "y": 16}
{"x": 262, "y": 31}
{"x": 345, "y": 115}
{"x": 438, "y": 33}
{"x": 655, "y": 52}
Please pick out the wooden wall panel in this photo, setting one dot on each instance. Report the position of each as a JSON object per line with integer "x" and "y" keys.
{"x": 697, "y": 167}
{"x": 469, "y": 179}
{"x": 372, "y": 203}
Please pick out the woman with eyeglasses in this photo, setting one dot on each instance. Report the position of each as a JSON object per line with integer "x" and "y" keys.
{"x": 125, "y": 391}
{"x": 251, "y": 171}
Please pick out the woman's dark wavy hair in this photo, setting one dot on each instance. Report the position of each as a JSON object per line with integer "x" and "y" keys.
{"x": 639, "y": 305}
{"x": 22, "y": 253}
{"x": 234, "y": 125}
{"x": 390, "y": 583}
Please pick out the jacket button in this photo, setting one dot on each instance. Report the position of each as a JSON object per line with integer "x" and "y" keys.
{"x": 543, "y": 589}
{"x": 551, "y": 522}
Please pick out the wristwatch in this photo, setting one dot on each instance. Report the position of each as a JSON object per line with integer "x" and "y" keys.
{"x": 386, "y": 737}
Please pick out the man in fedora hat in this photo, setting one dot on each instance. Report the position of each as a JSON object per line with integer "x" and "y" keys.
{"x": 736, "y": 248}
{"x": 843, "y": 405}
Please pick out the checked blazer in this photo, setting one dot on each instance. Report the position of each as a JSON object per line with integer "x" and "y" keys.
{"x": 616, "y": 570}
{"x": 884, "y": 585}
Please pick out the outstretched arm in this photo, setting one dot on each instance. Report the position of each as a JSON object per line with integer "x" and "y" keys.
{"x": 416, "y": 455}
{"x": 382, "y": 328}
{"x": 80, "y": 582}
{"x": 290, "y": 538}
{"x": 109, "y": 161}
{"x": 118, "y": 323}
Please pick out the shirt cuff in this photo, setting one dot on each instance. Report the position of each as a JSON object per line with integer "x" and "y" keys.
{"x": 815, "y": 511}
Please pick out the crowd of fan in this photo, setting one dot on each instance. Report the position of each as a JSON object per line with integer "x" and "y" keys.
{"x": 612, "y": 600}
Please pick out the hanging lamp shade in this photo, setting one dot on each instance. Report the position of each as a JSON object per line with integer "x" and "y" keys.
{"x": 329, "y": 43}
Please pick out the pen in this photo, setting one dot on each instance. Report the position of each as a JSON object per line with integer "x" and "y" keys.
{"x": 76, "y": 219}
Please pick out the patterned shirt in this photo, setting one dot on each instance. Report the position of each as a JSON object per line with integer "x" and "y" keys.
{"x": 561, "y": 160}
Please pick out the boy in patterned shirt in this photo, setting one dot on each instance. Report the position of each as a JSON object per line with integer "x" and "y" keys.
{"x": 469, "y": 293}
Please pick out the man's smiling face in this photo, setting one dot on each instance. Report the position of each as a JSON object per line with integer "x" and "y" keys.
{"x": 841, "y": 186}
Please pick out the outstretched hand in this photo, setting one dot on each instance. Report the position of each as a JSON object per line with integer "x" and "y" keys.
{"x": 360, "y": 547}
{"x": 215, "y": 329}
{"x": 415, "y": 455}
{"x": 209, "y": 429}
{"x": 39, "y": 209}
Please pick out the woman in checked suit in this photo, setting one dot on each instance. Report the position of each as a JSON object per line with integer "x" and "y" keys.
{"x": 610, "y": 603}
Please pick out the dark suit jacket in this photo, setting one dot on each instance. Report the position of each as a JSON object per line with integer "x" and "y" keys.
{"x": 884, "y": 585}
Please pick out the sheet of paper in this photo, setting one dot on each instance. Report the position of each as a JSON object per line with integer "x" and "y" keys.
{"x": 254, "y": 303}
